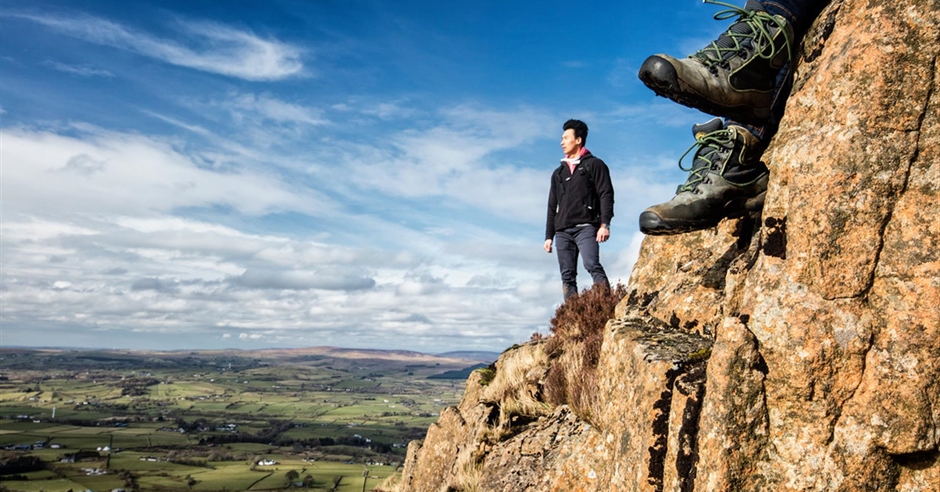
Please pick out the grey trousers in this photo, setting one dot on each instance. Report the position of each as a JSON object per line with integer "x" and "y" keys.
{"x": 568, "y": 244}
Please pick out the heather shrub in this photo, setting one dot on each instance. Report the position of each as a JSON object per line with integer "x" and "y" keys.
{"x": 574, "y": 348}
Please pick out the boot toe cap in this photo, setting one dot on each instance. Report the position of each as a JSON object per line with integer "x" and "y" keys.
{"x": 659, "y": 74}
{"x": 652, "y": 224}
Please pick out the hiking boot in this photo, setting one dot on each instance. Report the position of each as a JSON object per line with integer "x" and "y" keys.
{"x": 727, "y": 179}
{"x": 734, "y": 76}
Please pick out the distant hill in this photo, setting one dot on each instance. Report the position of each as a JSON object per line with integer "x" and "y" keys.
{"x": 343, "y": 359}
{"x": 324, "y": 351}
{"x": 459, "y": 374}
{"x": 348, "y": 353}
{"x": 479, "y": 355}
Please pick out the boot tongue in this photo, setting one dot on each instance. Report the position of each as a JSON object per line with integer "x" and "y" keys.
{"x": 725, "y": 42}
{"x": 705, "y": 155}
{"x": 754, "y": 5}
{"x": 709, "y": 126}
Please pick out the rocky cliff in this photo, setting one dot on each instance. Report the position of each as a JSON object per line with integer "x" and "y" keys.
{"x": 795, "y": 351}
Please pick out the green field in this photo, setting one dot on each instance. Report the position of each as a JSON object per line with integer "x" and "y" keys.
{"x": 203, "y": 421}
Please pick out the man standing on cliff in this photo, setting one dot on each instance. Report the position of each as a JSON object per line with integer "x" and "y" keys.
{"x": 580, "y": 207}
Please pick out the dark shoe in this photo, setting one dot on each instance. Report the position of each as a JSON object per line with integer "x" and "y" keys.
{"x": 569, "y": 290}
{"x": 727, "y": 179}
{"x": 735, "y": 76}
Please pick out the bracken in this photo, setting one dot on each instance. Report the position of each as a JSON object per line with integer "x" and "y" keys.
{"x": 574, "y": 347}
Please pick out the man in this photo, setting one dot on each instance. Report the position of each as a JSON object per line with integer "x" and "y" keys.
{"x": 580, "y": 206}
{"x": 744, "y": 76}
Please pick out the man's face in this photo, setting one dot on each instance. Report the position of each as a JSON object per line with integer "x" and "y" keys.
{"x": 569, "y": 144}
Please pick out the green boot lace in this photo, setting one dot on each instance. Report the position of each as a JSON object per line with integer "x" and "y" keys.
{"x": 710, "y": 149}
{"x": 760, "y": 37}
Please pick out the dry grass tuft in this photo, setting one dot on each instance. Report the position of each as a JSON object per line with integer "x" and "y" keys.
{"x": 515, "y": 383}
{"x": 467, "y": 478}
{"x": 574, "y": 349}
{"x": 391, "y": 484}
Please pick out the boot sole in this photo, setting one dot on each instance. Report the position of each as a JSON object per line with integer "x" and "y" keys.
{"x": 652, "y": 224}
{"x": 661, "y": 77}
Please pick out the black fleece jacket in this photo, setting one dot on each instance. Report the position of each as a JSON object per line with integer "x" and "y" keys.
{"x": 587, "y": 197}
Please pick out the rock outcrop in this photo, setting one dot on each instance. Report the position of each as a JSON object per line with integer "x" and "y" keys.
{"x": 795, "y": 351}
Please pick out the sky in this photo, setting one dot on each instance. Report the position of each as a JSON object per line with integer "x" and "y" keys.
{"x": 183, "y": 175}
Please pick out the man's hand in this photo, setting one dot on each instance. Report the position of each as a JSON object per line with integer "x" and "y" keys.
{"x": 547, "y": 246}
{"x": 603, "y": 233}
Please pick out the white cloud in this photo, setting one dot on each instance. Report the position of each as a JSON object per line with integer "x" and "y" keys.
{"x": 386, "y": 110}
{"x": 82, "y": 71}
{"x": 272, "y": 109}
{"x": 389, "y": 111}
{"x": 105, "y": 172}
{"x": 455, "y": 158}
{"x": 175, "y": 122}
{"x": 301, "y": 280}
{"x": 37, "y": 231}
{"x": 249, "y": 126}
{"x": 205, "y": 46}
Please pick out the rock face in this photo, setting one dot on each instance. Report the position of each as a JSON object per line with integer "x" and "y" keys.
{"x": 795, "y": 351}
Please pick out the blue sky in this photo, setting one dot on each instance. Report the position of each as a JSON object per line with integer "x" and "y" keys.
{"x": 195, "y": 175}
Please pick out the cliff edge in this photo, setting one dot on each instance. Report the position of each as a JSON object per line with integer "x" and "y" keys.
{"x": 795, "y": 351}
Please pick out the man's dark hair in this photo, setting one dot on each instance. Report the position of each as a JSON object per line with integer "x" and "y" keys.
{"x": 580, "y": 129}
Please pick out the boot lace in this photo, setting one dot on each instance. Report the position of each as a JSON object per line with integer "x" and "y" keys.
{"x": 709, "y": 155}
{"x": 759, "y": 34}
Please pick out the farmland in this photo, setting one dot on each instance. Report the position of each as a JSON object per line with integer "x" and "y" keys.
{"x": 318, "y": 419}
